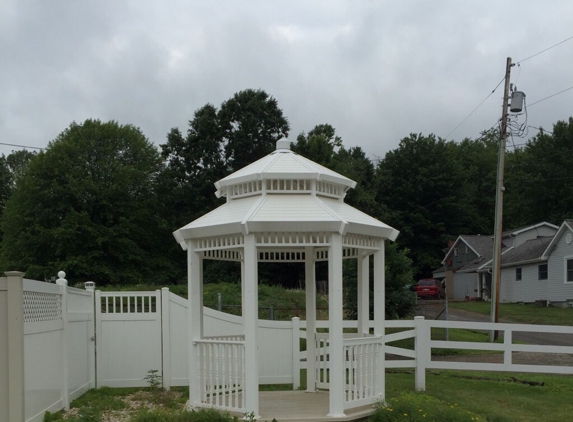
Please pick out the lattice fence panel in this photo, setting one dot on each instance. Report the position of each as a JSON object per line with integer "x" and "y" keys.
{"x": 40, "y": 307}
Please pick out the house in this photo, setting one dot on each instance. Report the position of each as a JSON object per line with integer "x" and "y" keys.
{"x": 540, "y": 270}
{"x": 467, "y": 263}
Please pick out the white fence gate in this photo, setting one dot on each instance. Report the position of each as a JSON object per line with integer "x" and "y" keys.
{"x": 128, "y": 330}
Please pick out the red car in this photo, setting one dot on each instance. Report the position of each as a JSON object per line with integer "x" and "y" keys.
{"x": 430, "y": 288}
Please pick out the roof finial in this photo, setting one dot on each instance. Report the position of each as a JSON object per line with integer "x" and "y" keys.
{"x": 283, "y": 144}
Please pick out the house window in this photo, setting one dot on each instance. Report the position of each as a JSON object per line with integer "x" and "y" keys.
{"x": 455, "y": 251}
{"x": 467, "y": 250}
{"x": 518, "y": 274}
{"x": 542, "y": 272}
{"x": 569, "y": 270}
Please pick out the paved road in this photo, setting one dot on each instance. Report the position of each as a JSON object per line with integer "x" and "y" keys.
{"x": 525, "y": 337}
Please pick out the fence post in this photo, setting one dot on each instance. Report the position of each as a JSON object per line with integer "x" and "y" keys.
{"x": 219, "y": 302}
{"x": 90, "y": 287}
{"x": 295, "y": 353}
{"x": 422, "y": 345}
{"x": 165, "y": 339}
{"x": 63, "y": 283}
{"x": 98, "y": 345}
{"x": 15, "y": 284}
{"x": 507, "y": 347}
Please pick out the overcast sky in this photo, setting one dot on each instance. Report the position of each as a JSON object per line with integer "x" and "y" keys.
{"x": 375, "y": 70}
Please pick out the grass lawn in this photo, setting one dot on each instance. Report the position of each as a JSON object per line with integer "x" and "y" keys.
{"x": 525, "y": 314}
{"x": 450, "y": 396}
{"x": 488, "y": 400}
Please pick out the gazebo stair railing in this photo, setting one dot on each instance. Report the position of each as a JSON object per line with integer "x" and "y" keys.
{"x": 222, "y": 372}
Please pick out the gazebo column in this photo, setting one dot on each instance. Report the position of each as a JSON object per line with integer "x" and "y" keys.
{"x": 363, "y": 293}
{"x": 379, "y": 317}
{"x": 194, "y": 320}
{"x": 250, "y": 304}
{"x": 335, "y": 334}
{"x": 310, "y": 283}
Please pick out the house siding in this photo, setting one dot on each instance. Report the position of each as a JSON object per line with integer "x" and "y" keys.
{"x": 529, "y": 289}
{"x": 557, "y": 289}
{"x": 465, "y": 285}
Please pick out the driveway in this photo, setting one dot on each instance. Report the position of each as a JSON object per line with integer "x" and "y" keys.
{"x": 525, "y": 337}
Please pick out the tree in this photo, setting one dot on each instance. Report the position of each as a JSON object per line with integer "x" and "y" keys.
{"x": 539, "y": 178}
{"x": 218, "y": 142}
{"x": 250, "y": 125}
{"x": 87, "y": 205}
{"x": 420, "y": 185}
{"x": 11, "y": 168}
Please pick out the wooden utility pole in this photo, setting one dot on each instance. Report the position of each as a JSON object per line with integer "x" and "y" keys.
{"x": 496, "y": 265}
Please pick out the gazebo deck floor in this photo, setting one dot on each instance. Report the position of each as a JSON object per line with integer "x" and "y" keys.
{"x": 303, "y": 406}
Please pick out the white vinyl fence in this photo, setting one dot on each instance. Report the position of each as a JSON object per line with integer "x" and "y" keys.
{"x": 46, "y": 333}
{"x": 47, "y": 348}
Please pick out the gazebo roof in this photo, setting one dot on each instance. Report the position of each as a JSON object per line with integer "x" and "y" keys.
{"x": 282, "y": 164}
{"x": 284, "y": 192}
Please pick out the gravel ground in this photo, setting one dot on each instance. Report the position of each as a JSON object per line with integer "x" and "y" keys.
{"x": 135, "y": 402}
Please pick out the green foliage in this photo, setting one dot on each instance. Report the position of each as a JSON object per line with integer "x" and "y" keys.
{"x": 422, "y": 408}
{"x": 419, "y": 183}
{"x": 400, "y": 301}
{"x": 87, "y": 205}
{"x": 539, "y": 178}
{"x": 153, "y": 379}
{"x": 201, "y": 415}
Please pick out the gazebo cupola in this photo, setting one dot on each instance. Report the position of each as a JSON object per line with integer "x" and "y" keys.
{"x": 286, "y": 208}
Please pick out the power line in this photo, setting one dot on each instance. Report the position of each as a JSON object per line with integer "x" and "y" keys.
{"x": 474, "y": 110}
{"x": 553, "y": 95}
{"x": 20, "y": 146}
{"x": 547, "y": 49}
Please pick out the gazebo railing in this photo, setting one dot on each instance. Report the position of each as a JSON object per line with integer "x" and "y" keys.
{"x": 360, "y": 367}
{"x": 360, "y": 370}
{"x": 222, "y": 372}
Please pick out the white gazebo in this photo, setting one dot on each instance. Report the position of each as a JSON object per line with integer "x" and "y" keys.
{"x": 286, "y": 208}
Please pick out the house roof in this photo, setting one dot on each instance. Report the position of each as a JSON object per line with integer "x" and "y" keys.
{"x": 481, "y": 245}
{"x": 566, "y": 226}
{"x": 528, "y": 227}
{"x": 528, "y": 251}
{"x": 284, "y": 211}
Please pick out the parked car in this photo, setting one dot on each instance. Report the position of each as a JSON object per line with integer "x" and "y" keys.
{"x": 430, "y": 288}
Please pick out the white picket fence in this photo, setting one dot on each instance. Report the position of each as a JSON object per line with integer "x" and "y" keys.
{"x": 47, "y": 348}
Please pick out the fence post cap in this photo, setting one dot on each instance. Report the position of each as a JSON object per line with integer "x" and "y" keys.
{"x": 89, "y": 285}
{"x": 61, "y": 278}
{"x": 419, "y": 317}
{"x": 14, "y": 274}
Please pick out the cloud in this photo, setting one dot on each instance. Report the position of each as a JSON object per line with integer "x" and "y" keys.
{"x": 376, "y": 71}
